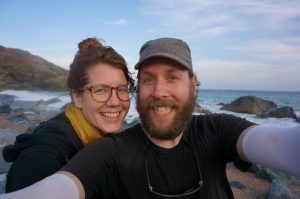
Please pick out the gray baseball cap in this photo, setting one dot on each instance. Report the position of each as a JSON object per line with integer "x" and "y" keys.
{"x": 171, "y": 48}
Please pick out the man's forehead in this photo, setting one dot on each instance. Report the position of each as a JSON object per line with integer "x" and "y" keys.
{"x": 161, "y": 69}
{"x": 159, "y": 62}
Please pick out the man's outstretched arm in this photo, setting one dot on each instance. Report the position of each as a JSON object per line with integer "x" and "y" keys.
{"x": 272, "y": 147}
{"x": 61, "y": 185}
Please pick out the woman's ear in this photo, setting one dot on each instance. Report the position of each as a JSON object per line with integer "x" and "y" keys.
{"x": 77, "y": 98}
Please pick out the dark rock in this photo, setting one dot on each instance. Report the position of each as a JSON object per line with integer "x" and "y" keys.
{"x": 237, "y": 184}
{"x": 221, "y": 104}
{"x": 4, "y": 166}
{"x": 39, "y": 106}
{"x": 249, "y": 104}
{"x": 298, "y": 120}
{"x": 282, "y": 112}
{"x": 254, "y": 168}
{"x": 270, "y": 175}
{"x": 126, "y": 125}
{"x": 279, "y": 190}
{"x": 52, "y": 100}
{"x": 22, "y": 105}
{"x": 6, "y": 99}
{"x": 199, "y": 109}
{"x": 2, "y": 183}
{"x": 43, "y": 116}
{"x": 265, "y": 174}
{"x": 33, "y": 118}
{"x": 5, "y": 103}
{"x": 7, "y": 136}
{"x": 19, "y": 117}
{"x": 5, "y": 108}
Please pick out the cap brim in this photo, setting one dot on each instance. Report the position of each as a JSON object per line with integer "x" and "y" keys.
{"x": 164, "y": 55}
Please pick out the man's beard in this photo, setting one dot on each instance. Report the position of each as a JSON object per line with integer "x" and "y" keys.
{"x": 178, "y": 124}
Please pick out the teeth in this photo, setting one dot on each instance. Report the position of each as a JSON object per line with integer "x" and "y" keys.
{"x": 113, "y": 115}
{"x": 162, "y": 109}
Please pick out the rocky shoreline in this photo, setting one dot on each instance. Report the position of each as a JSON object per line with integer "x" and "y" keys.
{"x": 18, "y": 117}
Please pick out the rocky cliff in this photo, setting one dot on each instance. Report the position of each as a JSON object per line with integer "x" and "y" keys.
{"x": 20, "y": 70}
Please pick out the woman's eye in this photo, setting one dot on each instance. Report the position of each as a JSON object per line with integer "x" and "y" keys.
{"x": 101, "y": 90}
{"x": 123, "y": 89}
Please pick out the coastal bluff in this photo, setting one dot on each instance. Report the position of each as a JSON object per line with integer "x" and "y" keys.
{"x": 20, "y": 70}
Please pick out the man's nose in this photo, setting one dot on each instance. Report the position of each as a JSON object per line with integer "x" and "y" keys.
{"x": 160, "y": 89}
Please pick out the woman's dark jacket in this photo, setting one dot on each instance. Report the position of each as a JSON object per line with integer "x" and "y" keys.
{"x": 41, "y": 153}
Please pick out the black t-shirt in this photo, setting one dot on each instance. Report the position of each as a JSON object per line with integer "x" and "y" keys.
{"x": 115, "y": 166}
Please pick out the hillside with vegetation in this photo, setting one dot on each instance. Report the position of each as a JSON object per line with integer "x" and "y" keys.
{"x": 20, "y": 70}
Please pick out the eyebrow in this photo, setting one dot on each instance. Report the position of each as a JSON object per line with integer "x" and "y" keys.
{"x": 171, "y": 70}
{"x": 146, "y": 73}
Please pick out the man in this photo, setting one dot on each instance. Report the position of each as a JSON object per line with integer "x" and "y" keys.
{"x": 171, "y": 154}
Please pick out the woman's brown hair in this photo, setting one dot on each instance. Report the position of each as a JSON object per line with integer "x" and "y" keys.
{"x": 92, "y": 51}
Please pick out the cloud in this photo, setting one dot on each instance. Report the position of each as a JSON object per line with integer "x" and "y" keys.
{"x": 272, "y": 50}
{"x": 211, "y": 18}
{"x": 258, "y": 40}
{"x": 118, "y": 22}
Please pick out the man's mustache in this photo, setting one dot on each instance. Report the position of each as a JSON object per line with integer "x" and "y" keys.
{"x": 161, "y": 102}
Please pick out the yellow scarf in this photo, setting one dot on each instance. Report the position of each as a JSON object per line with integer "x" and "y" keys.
{"x": 85, "y": 131}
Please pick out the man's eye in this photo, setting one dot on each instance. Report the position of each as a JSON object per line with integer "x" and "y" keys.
{"x": 148, "y": 81}
{"x": 172, "y": 78}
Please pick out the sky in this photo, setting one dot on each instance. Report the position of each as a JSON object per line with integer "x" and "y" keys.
{"x": 235, "y": 44}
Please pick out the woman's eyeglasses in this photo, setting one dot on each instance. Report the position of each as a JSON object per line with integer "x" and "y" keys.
{"x": 102, "y": 92}
{"x": 186, "y": 193}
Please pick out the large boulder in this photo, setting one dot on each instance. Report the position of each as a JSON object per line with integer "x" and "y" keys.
{"x": 249, "y": 104}
{"x": 281, "y": 112}
{"x": 201, "y": 110}
{"x": 7, "y": 99}
{"x": 42, "y": 105}
{"x": 5, "y": 103}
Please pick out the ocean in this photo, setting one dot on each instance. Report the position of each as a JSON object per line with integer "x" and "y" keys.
{"x": 208, "y": 99}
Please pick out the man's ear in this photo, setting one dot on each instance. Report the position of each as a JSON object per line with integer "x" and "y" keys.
{"x": 195, "y": 84}
{"x": 77, "y": 98}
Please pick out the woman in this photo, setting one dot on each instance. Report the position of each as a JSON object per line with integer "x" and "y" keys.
{"x": 100, "y": 86}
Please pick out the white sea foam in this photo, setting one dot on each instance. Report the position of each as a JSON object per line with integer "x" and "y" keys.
{"x": 208, "y": 100}
{"x": 40, "y": 95}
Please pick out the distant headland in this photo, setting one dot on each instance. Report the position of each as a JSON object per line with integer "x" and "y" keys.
{"x": 20, "y": 70}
